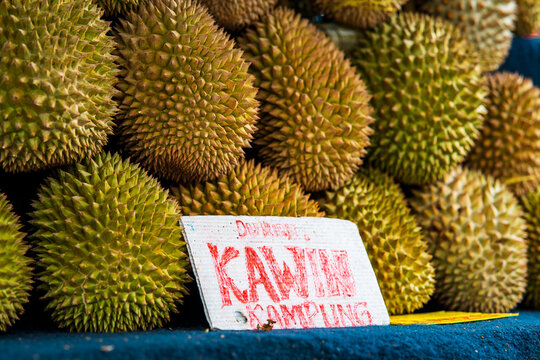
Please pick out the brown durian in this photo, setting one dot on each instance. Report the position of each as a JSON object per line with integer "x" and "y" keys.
{"x": 316, "y": 113}
{"x": 188, "y": 105}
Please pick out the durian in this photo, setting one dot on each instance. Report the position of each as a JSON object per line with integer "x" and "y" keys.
{"x": 110, "y": 247}
{"x": 427, "y": 95}
{"x": 528, "y": 20}
{"x": 235, "y": 15}
{"x": 476, "y": 234}
{"x": 188, "y": 105}
{"x": 360, "y": 13}
{"x": 120, "y": 7}
{"x": 509, "y": 147}
{"x": 15, "y": 271}
{"x": 248, "y": 189}
{"x": 488, "y": 25}
{"x": 393, "y": 240}
{"x": 316, "y": 113}
{"x": 531, "y": 205}
{"x": 57, "y": 77}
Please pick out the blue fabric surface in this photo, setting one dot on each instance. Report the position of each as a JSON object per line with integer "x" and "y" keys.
{"x": 510, "y": 338}
{"x": 524, "y": 58}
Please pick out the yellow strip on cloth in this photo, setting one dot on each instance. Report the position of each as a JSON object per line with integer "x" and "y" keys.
{"x": 444, "y": 317}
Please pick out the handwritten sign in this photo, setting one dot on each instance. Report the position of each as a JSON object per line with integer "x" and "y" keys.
{"x": 295, "y": 272}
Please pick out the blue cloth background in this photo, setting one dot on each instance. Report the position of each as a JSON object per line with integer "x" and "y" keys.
{"x": 524, "y": 58}
{"x": 510, "y": 338}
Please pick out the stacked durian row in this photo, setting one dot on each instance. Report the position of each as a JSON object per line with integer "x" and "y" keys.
{"x": 411, "y": 104}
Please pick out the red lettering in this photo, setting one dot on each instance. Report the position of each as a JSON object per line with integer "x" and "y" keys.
{"x": 253, "y": 319}
{"x": 365, "y": 316}
{"x": 242, "y": 232}
{"x": 291, "y": 231}
{"x": 285, "y": 280}
{"x": 327, "y": 323}
{"x": 252, "y": 229}
{"x": 224, "y": 281}
{"x": 314, "y": 264}
{"x": 348, "y": 314}
{"x": 310, "y": 315}
{"x": 276, "y": 229}
{"x": 254, "y": 265}
{"x": 289, "y": 316}
{"x": 266, "y": 229}
{"x": 339, "y": 279}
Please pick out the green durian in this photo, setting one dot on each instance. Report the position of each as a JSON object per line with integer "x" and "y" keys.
{"x": 476, "y": 234}
{"x": 15, "y": 270}
{"x": 119, "y": 7}
{"x": 248, "y": 189}
{"x": 57, "y": 77}
{"x": 315, "y": 115}
{"x": 509, "y": 147}
{"x": 235, "y": 15}
{"x": 531, "y": 205}
{"x": 360, "y": 13}
{"x": 188, "y": 105}
{"x": 528, "y": 20}
{"x": 393, "y": 240}
{"x": 427, "y": 95}
{"x": 487, "y": 25}
{"x": 110, "y": 246}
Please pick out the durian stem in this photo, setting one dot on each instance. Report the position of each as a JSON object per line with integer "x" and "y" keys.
{"x": 520, "y": 179}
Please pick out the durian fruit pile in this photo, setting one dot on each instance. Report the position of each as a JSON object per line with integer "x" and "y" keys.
{"x": 132, "y": 113}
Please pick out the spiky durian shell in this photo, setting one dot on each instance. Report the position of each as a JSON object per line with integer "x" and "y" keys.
{"x": 188, "y": 105}
{"x": 509, "y": 147}
{"x": 393, "y": 240}
{"x": 120, "y": 7}
{"x": 15, "y": 271}
{"x": 57, "y": 79}
{"x": 248, "y": 189}
{"x": 235, "y": 15}
{"x": 488, "y": 25}
{"x": 528, "y": 17}
{"x": 531, "y": 205}
{"x": 360, "y": 13}
{"x": 428, "y": 97}
{"x": 316, "y": 115}
{"x": 476, "y": 234}
{"x": 110, "y": 247}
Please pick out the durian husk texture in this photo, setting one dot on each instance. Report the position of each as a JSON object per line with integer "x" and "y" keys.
{"x": 476, "y": 233}
{"x": 188, "y": 106}
{"x": 427, "y": 93}
{"x": 509, "y": 146}
{"x": 315, "y": 108}
{"x": 488, "y": 26}
{"x": 15, "y": 267}
{"x": 361, "y": 14}
{"x": 528, "y": 20}
{"x": 235, "y": 15}
{"x": 531, "y": 206}
{"x": 248, "y": 189}
{"x": 57, "y": 76}
{"x": 110, "y": 247}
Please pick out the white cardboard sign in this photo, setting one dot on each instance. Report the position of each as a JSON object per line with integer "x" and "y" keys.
{"x": 298, "y": 272}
